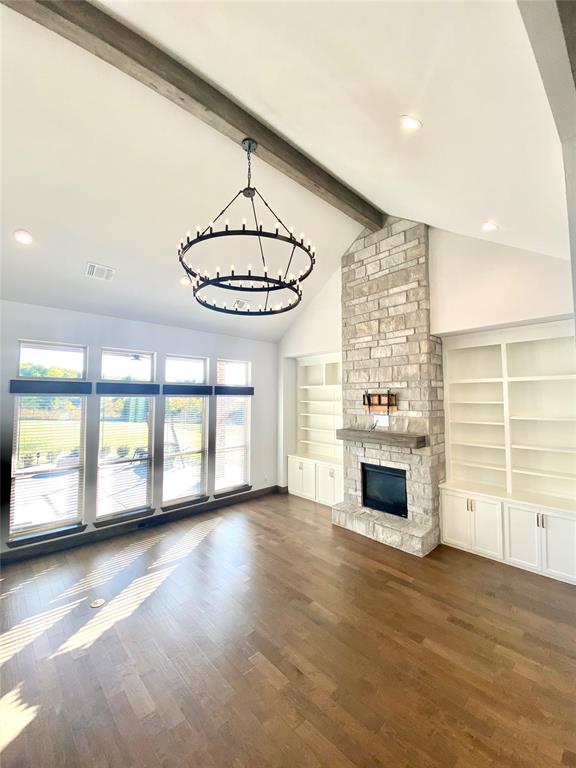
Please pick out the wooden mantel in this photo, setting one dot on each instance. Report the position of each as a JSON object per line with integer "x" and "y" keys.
{"x": 383, "y": 437}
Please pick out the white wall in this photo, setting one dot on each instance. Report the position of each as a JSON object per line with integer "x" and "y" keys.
{"x": 319, "y": 328}
{"x": 32, "y": 322}
{"x": 477, "y": 284}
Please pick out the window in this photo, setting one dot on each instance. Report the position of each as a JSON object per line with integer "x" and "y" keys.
{"x": 186, "y": 370}
{"x": 49, "y": 361}
{"x": 185, "y": 436}
{"x": 232, "y": 428}
{"x": 124, "y": 455}
{"x": 233, "y": 373}
{"x": 120, "y": 365}
{"x": 48, "y": 461}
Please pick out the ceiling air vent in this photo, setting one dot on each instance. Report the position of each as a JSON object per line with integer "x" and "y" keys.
{"x": 241, "y": 305}
{"x": 99, "y": 271}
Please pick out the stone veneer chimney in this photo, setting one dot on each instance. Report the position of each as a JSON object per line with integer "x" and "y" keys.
{"x": 386, "y": 344}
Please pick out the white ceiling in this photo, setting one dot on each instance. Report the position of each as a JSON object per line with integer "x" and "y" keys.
{"x": 99, "y": 168}
{"x": 335, "y": 76}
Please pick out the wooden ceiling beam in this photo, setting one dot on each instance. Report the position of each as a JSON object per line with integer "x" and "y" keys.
{"x": 109, "y": 39}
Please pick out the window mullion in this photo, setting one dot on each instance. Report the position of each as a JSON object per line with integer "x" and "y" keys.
{"x": 159, "y": 406}
{"x": 91, "y": 437}
{"x": 211, "y": 457}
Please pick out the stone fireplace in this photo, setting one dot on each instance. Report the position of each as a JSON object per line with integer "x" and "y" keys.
{"x": 387, "y": 345}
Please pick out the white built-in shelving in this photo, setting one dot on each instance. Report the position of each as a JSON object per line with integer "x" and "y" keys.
{"x": 511, "y": 412}
{"x": 319, "y": 407}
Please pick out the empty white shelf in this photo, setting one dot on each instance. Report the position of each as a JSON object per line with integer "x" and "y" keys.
{"x": 480, "y": 465}
{"x": 544, "y": 473}
{"x": 548, "y": 449}
{"x": 479, "y": 445}
{"x": 489, "y": 423}
{"x": 543, "y": 418}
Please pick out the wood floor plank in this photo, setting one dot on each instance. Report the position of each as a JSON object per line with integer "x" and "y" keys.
{"x": 264, "y": 636}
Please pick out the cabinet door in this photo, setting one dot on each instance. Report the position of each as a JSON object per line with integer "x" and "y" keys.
{"x": 295, "y": 472}
{"x": 522, "y": 536}
{"x": 487, "y": 527}
{"x": 325, "y": 490}
{"x": 558, "y": 533}
{"x": 456, "y": 520}
{"x": 309, "y": 479}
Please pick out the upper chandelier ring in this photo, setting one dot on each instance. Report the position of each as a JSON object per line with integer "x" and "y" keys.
{"x": 252, "y": 275}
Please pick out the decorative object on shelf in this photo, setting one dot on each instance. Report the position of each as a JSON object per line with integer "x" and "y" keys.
{"x": 386, "y": 402}
{"x": 277, "y": 284}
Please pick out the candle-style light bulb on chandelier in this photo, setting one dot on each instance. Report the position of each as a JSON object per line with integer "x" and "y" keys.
{"x": 233, "y": 290}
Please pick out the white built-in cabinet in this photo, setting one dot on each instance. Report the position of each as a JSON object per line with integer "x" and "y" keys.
{"x": 315, "y": 468}
{"x": 316, "y": 480}
{"x": 510, "y": 402}
{"x": 472, "y": 522}
{"x": 535, "y": 538}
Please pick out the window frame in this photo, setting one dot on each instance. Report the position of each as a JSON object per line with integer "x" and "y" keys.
{"x": 247, "y": 363}
{"x": 149, "y": 504}
{"x": 121, "y": 351}
{"x": 248, "y": 445}
{"x": 47, "y": 528}
{"x": 179, "y": 501}
{"x": 53, "y": 345}
{"x": 205, "y": 360}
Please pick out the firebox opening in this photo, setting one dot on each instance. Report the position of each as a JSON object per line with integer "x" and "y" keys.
{"x": 384, "y": 488}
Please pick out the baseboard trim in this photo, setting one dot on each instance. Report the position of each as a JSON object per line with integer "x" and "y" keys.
{"x": 283, "y": 489}
{"x": 162, "y": 517}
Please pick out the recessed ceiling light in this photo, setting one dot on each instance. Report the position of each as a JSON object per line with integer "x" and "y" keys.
{"x": 489, "y": 226}
{"x": 410, "y": 123}
{"x": 184, "y": 281}
{"x": 23, "y": 237}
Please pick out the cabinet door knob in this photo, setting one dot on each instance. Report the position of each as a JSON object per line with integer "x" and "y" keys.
{"x": 331, "y": 473}
{"x": 542, "y": 518}
{"x": 300, "y": 466}
{"x": 538, "y": 519}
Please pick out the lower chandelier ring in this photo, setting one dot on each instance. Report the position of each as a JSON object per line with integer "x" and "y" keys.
{"x": 273, "y": 283}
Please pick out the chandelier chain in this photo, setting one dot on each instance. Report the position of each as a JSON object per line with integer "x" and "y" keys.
{"x": 249, "y": 153}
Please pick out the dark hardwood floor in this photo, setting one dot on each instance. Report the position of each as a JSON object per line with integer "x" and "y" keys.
{"x": 263, "y": 636}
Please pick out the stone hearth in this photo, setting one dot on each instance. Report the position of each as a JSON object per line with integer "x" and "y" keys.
{"x": 387, "y": 344}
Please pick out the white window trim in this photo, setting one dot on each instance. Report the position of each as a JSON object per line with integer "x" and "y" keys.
{"x": 52, "y": 345}
{"x": 121, "y": 350}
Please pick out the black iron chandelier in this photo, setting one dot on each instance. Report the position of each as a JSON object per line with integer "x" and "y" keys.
{"x": 274, "y": 286}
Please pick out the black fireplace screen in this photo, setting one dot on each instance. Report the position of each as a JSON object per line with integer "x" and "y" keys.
{"x": 384, "y": 488}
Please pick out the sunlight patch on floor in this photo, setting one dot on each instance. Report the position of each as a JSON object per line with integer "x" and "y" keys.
{"x": 188, "y": 542}
{"x": 28, "y": 630}
{"x": 15, "y": 715}
{"x": 25, "y": 583}
{"x": 110, "y": 568}
{"x": 120, "y": 607}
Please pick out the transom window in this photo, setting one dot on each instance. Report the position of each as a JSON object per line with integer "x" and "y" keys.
{"x": 51, "y": 361}
{"x": 186, "y": 370}
{"x": 233, "y": 373}
{"x": 123, "y": 365}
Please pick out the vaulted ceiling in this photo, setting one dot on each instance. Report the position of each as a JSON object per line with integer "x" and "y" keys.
{"x": 102, "y": 169}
